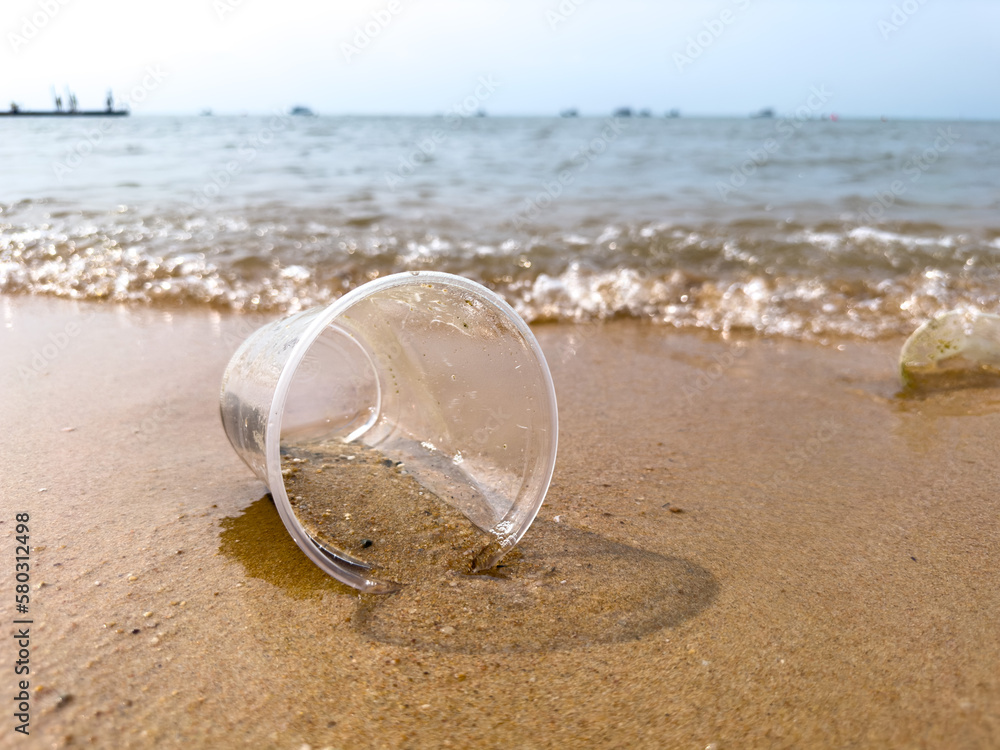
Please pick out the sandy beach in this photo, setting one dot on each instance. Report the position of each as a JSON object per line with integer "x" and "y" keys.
{"x": 748, "y": 542}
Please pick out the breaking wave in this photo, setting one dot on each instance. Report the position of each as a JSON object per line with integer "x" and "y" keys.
{"x": 784, "y": 278}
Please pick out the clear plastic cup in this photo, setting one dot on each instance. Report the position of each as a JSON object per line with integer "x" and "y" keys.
{"x": 955, "y": 349}
{"x": 435, "y": 372}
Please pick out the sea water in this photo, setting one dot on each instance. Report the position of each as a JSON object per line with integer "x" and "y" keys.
{"x": 797, "y": 228}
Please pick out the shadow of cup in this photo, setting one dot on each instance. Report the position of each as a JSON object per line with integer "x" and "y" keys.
{"x": 562, "y": 589}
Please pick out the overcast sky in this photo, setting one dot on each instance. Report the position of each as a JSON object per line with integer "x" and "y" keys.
{"x": 897, "y": 58}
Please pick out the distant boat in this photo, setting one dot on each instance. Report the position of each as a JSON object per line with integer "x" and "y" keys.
{"x": 674, "y": 113}
{"x": 206, "y": 113}
{"x": 301, "y": 111}
{"x": 763, "y": 114}
{"x": 623, "y": 112}
{"x": 569, "y": 113}
{"x": 645, "y": 113}
{"x": 18, "y": 112}
{"x": 72, "y": 111}
{"x": 481, "y": 113}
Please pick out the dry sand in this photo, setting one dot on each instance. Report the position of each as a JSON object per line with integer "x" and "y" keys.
{"x": 746, "y": 544}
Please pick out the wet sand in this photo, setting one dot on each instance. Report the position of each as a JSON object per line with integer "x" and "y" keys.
{"x": 746, "y": 544}
{"x": 368, "y": 509}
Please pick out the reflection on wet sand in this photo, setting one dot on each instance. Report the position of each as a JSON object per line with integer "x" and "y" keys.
{"x": 562, "y": 588}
